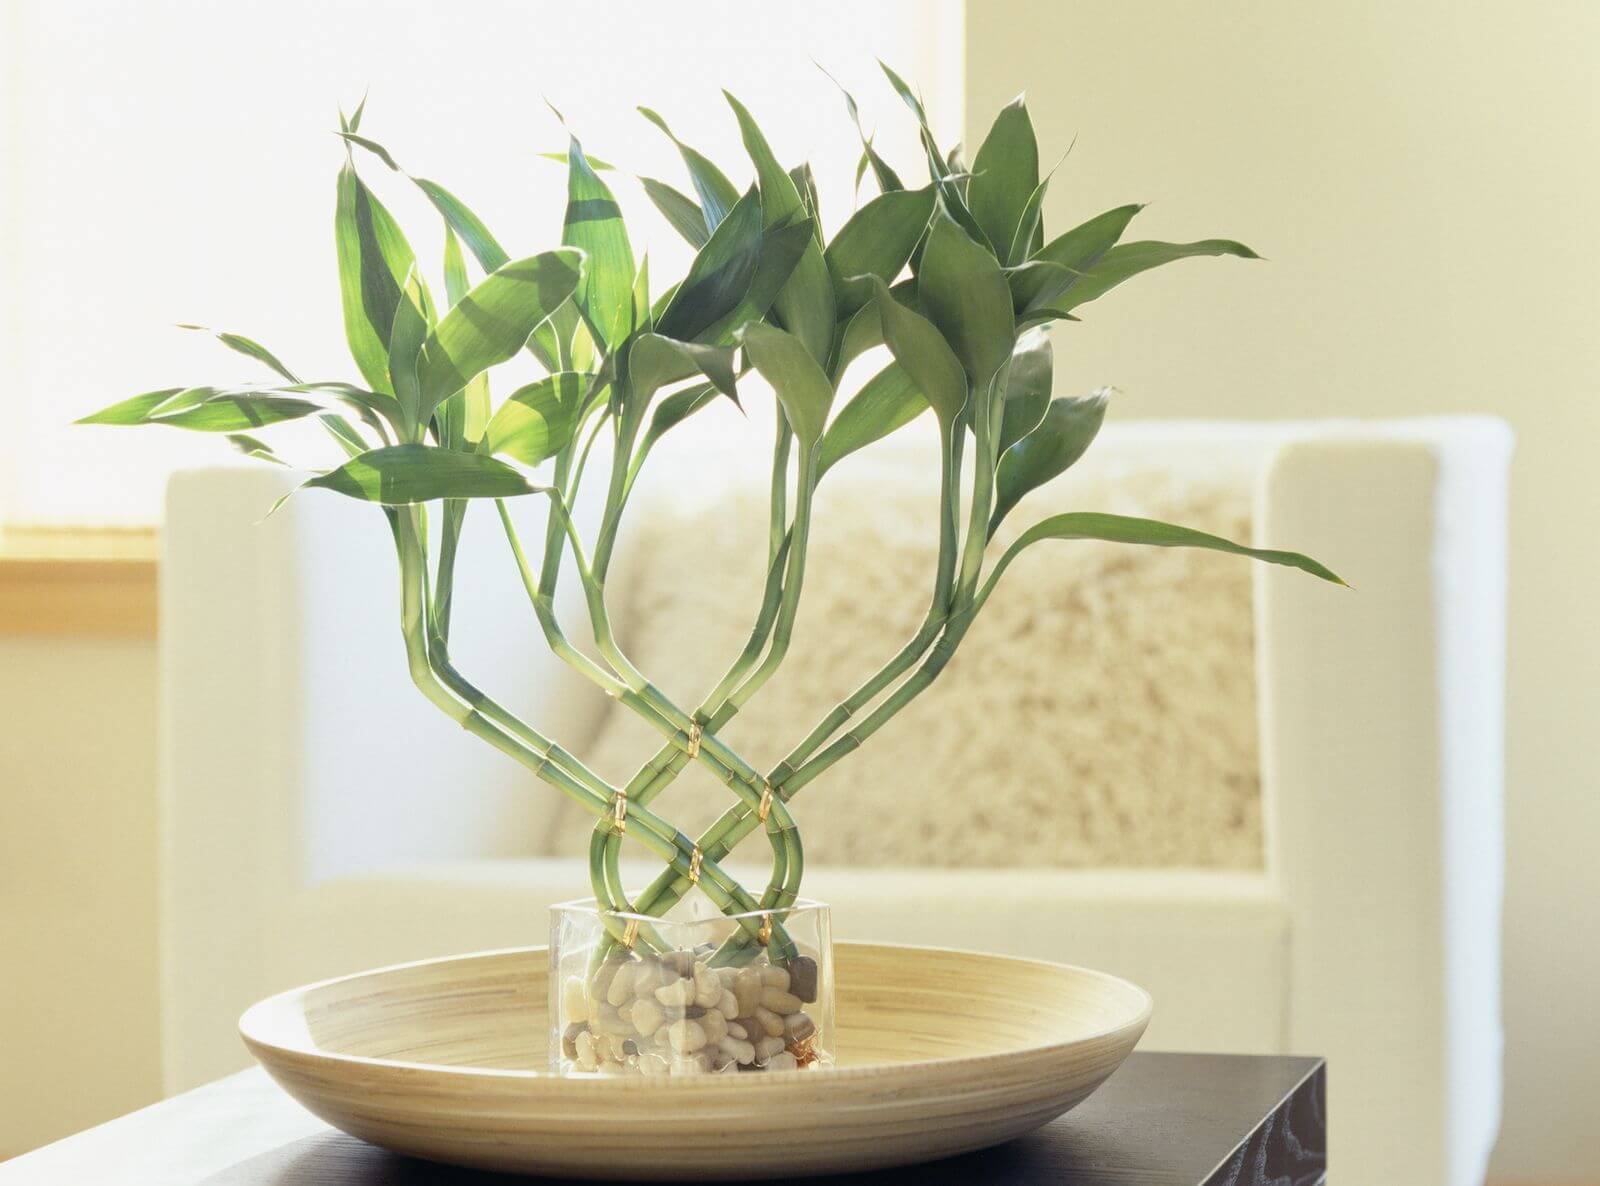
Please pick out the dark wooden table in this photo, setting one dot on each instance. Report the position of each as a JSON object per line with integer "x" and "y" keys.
{"x": 1162, "y": 1120}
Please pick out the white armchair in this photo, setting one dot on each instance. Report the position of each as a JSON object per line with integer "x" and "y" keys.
{"x": 307, "y": 835}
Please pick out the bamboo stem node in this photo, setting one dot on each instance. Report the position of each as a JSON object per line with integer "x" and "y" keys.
{"x": 630, "y": 933}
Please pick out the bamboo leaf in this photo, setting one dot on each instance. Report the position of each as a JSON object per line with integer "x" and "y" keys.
{"x": 805, "y": 303}
{"x": 1029, "y": 231}
{"x": 131, "y": 411}
{"x": 594, "y": 225}
{"x": 799, "y": 382}
{"x": 675, "y": 409}
{"x": 484, "y": 246}
{"x": 721, "y": 274}
{"x": 537, "y": 421}
{"x": 919, "y": 347}
{"x": 1028, "y": 387}
{"x": 717, "y": 193}
{"x": 249, "y": 347}
{"x": 1005, "y": 174}
{"x": 877, "y": 240}
{"x": 887, "y": 401}
{"x": 654, "y": 361}
{"x": 374, "y": 260}
{"x": 1064, "y": 435}
{"x": 679, "y": 209}
{"x": 1122, "y": 529}
{"x": 782, "y": 249}
{"x": 233, "y": 411}
{"x": 1127, "y": 260}
{"x": 964, "y": 293}
{"x": 492, "y": 321}
{"x": 1072, "y": 252}
{"x": 257, "y": 449}
{"x": 463, "y": 416}
{"x": 805, "y": 183}
{"x": 399, "y": 474}
{"x": 950, "y": 191}
{"x": 888, "y": 179}
{"x": 405, "y": 342}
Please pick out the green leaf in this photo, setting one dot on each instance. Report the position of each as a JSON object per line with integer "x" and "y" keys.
{"x": 888, "y": 179}
{"x": 484, "y": 246}
{"x": 594, "y": 225}
{"x": 1121, "y": 529}
{"x": 721, "y": 274}
{"x": 1005, "y": 174}
{"x": 1072, "y": 252}
{"x": 679, "y": 209}
{"x": 249, "y": 347}
{"x": 251, "y": 447}
{"x": 675, "y": 409}
{"x": 1028, "y": 386}
{"x": 233, "y": 411}
{"x": 374, "y": 260}
{"x": 919, "y": 347}
{"x": 964, "y": 293}
{"x": 805, "y": 183}
{"x": 717, "y": 193}
{"x": 463, "y": 416}
{"x": 654, "y": 361}
{"x": 492, "y": 321}
{"x": 537, "y": 421}
{"x": 401, "y": 474}
{"x": 877, "y": 240}
{"x": 1127, "y": 260}
{"x": 1069, "y": 427}
{"x": 796, "y": 378}
{"x": 950, "y": 190}
{"x": 405, "y": 342}
{"x": 782, "y": 249}
{"x": 805, "y": 303}
{"x": 134, "y": 410}
{"x": 887, "y": 401}
{"x": 1029, "y": 226}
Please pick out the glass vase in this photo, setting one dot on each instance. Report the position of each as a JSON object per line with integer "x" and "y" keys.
{"x": 694, "y": 993}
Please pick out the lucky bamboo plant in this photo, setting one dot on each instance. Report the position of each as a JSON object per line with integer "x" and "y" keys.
{"x": 956, "y": 277}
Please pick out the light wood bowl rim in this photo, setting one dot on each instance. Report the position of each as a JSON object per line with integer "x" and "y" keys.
{"x": 254, "y": 1029}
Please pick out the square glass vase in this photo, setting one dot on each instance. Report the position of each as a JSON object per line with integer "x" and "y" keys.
{"x": 696, "y": 993}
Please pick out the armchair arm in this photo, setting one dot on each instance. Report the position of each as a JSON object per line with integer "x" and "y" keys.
{"x": 1382, "y": 740}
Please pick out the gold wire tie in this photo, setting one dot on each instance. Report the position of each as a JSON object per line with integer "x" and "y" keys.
{"x": 765, "y": 807}
{"x": 619, "y": 813}
{"x": 694, "y": 739}
{"x": 631, "y": 934}
{"x": 765, "y": 933}
{"x": 694, "y": 866}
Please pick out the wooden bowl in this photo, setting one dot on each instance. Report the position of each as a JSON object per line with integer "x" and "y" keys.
{"x": 939, "y": 1052}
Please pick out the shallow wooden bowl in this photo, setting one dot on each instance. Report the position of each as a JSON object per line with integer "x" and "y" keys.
{"x": 939, "y": 1052}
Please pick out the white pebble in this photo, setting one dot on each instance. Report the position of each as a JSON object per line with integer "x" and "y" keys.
{"x": 798, "y": 1027}
{"x": 587, "y": 1060}
{"x": 768, "y": 1020}
{"x": 687, "y": 1036}
{"x": 715, "y": 1025}
{"x": 738, "y": 1031}
{"x": 621, "y": 986}
{"x": 741, "y": 1052}
{"x": 707, "y": 988}
{"x": 648, "y": 979}
{"x": 747, "y": 990}
{"x": 611, "y": 1068}
{"x": 574, "y": 1000}
{"x": 775, "y": 977}
{"x": 767, "y": 1047}
{"x": 653, "y": 1064}
{"x": 780, "y": 1001}
{"x": 728, "y": 1004}
{"x": 783, "y": 1061}
{"x": 679, "y": 992}
{"x": 697, "y": 1064}
{"x": 647, "y": 1016}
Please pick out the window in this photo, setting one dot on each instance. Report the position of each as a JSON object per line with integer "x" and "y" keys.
{"x": 174, "y": 162}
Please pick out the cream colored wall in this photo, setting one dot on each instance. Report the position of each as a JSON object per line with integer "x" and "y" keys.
{"x": 1424, "y": 176}
{"x": 78, "y": 1041}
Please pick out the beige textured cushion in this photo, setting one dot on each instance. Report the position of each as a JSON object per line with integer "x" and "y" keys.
{"x": 1101, "y": 712}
